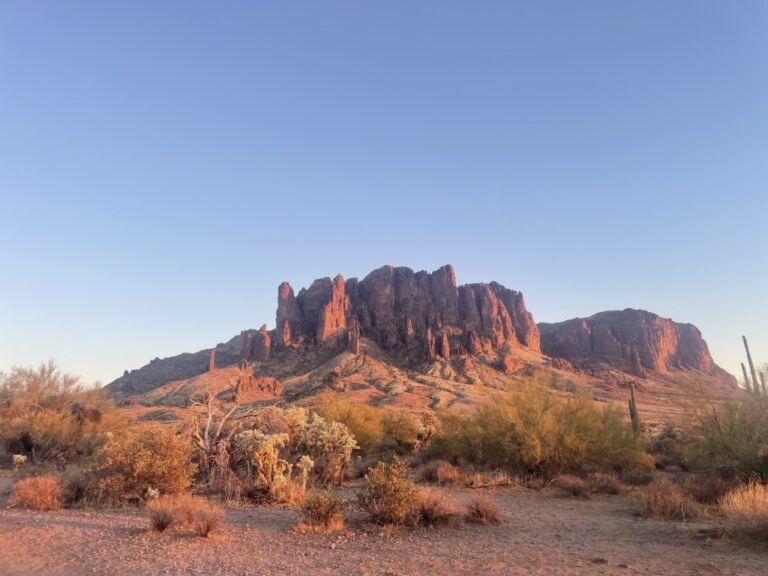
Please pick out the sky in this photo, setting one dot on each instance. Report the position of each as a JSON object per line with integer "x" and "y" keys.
{"x": 165, "y": 165}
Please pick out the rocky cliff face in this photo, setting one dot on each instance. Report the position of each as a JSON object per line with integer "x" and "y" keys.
{"x": 635, "y": 341}
{"x": 419, "y": 315}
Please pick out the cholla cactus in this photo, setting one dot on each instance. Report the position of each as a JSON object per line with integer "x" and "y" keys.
{"x": 260, "y": 451}
{"x": 151, "y": 494}
{"x": 295, "y": 418}
{"x": 304, "y": 465}
{"x": 18, "y": 461}
{"x": 330, "y": 443}
{"x": 427, "y": 429}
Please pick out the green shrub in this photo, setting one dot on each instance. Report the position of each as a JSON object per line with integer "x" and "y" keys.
{"x": 732, "y": 439}
{"x": 387, "y": 495}
{"x": 48, "y": 417}
{"x": 376, "y": 430}
{"x": 534, "y": 430}
{"x": 322, "y": 511}
{"x": 362, "y": 420}
{"x": 150, "y": 457}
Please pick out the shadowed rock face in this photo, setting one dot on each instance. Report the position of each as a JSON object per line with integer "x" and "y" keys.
{"x": 417, "y": 314}
{"x": 632, "y": 340}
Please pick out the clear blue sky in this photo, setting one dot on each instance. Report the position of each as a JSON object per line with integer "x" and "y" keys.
{"x": 164, "y": 165}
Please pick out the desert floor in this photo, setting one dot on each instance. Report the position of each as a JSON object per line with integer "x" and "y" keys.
{"x": 540, "y": 534}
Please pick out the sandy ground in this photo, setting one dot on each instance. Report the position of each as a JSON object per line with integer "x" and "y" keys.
{"x": 540, "y": 534}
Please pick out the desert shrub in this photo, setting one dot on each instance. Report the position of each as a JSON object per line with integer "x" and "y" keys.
{"x": 162, "y": 514}
{"x": 387, "y": 495}
{"x": 50, "y": 417}
{"x": 665, "y": 500}
{"x": 746, "y": 511}
{"x": 602, "y": 483}
{"x": 571, "y": 485}
{"x": 76, "y": 484}
{"x": 707, "y": 489}
{"x": 441, "y": 472}
{"x": 322, "y": 510}
{"x": 482, "y": 510}
{"x": 534, "y": 430}
{"x": 200, "y": 514}
{"x": 206, "y": 517}
{"x": 37, "y": 493}
{"x": 637, "y": 477}
{"x": 150, "y": 457}
{"x": 732, "y": 439}
{"x": 434, "y": 508}
{"x": 401, "y": 432}
{"x": 362, "y": 421}
{"x": 260, "y": 452}
{"x": 669, "y": 449}
{"x": 329, "y": 444}
{"x": 376, "y": 430}
{"x": 288, "y": 492}
{"x": 493, "y": 479}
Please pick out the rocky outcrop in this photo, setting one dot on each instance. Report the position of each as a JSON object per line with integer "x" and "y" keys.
{"x": 417, "y": 318}
{"x": 257, "y": 345}
{"x": 414, "y": 314}
{"x": 634, "y": 341}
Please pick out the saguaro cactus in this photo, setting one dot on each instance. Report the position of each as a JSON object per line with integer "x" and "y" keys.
{"x": 753, "y": 385}
{"x": 751, "y": 365}
{"x": 633, "y": 416}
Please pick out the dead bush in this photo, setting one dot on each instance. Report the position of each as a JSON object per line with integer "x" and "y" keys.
{"x": 482, "y": 511}
{"x": 571, "y": 485}
{"x": 746, "y": 512}
{"x": 441, "y": 473}
{"x": 434, "y": 508}
{"x": 199, "y": 513}
{"x": 387, "y": 495}
{"x": 206, "y": 516}
{"x": 37, "y": 493}
{"x": 162, "y": 514}
{"x": 495, "y": 479}
{"x": 288, "y": 492}
{"x": 665, "y": 500}
{"x": 602, "y": 483}
{"x": 322, "y": 511}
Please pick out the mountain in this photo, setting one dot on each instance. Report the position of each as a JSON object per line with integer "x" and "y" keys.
{"x": 635, "y": 341}
{"x": 417, "y": 339}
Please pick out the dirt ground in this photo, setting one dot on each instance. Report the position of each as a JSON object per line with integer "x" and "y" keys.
{"x": 540, "y": 534}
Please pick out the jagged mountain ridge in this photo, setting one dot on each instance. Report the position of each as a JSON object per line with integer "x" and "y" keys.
{"x": 417, "y": 320}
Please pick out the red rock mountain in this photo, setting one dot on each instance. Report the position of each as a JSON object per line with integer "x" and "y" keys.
{"x": 418, "y": 321}
{"x": 635, "y": 341}
{"x": 416, "y": 315}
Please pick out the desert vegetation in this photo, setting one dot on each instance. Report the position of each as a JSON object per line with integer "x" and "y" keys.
{"x": 69, "y": 446}
{"x": 531, "y": 429}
